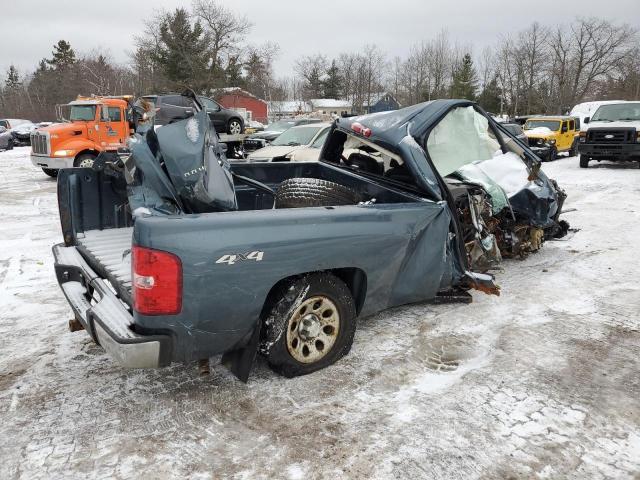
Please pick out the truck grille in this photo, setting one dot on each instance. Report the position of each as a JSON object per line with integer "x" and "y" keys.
{"x": 40, "y": 143}
{"x": 536, "y": 142}
{"x": 627, "y": 135}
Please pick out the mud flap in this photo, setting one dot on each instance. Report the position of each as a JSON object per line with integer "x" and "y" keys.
{"x": 240, "y": 360}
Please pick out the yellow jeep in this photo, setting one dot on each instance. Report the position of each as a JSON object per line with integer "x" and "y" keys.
{"x": 558, "y": 134}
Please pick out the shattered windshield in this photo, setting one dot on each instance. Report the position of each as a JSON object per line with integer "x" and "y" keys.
{"x": 296, "y": 136}
{"x": 82, "y": 113}
{"x": 280, "y": 126}
{"x": 552, "y": 125}
{"x": 617, "y": 112}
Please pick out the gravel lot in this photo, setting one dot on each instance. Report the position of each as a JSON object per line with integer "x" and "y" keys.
{"x": 541, "y": 382}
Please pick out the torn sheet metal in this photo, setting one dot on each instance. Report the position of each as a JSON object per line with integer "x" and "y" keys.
{"x": 196, "y": 164}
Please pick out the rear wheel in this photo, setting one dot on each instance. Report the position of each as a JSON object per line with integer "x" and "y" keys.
{"x": 84, "y": 161}
{"x": 310, "y": 326}
{"x": 584, "y": 161}
{"x": 52, "y": 172}
{"x": 234, "y": 127}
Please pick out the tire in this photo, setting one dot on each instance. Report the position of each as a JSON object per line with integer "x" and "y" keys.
{"x": 311, "y": 192}
{"x": 553, "y": 154}
{"x": 574, "y": 148}
{"x": 234, "y": 127}
{"x": 310, "y": 326}
{"x": 84, "y": 161}
{"x": 52, "y": 172}
{"x": 584, "y": 161}
{"x": 10, "y": 144}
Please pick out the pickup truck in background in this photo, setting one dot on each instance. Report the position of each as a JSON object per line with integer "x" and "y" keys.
{"x": 171, "y": 253}
{"x": 613, "y": 133}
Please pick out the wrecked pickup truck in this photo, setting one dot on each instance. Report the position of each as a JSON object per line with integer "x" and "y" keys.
{"x": 172, "y": 254}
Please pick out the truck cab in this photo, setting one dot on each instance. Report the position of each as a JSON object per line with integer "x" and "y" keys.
{"x": 560, "y": 134}
{"x": 612, "y": 134}
{"x": 90, "y": 125}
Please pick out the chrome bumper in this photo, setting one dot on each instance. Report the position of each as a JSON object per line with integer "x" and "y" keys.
{"x": 51, "y": 162}
{"x": 106, "y": 319}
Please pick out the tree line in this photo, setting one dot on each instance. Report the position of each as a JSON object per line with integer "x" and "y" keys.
{"x": 541, "y": 69}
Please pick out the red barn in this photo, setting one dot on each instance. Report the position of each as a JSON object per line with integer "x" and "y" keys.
{"x": 237, "y": 99}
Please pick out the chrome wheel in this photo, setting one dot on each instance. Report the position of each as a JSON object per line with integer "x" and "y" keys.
{"x": 234, "y": 127}
{"x": 313, "y": 329}
{"x": 86, "y": 163}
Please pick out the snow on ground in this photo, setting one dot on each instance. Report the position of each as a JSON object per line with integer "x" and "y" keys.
{"x": 541, "y": 382}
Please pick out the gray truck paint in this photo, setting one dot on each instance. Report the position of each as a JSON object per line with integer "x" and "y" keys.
{"x": 398, "y": 250}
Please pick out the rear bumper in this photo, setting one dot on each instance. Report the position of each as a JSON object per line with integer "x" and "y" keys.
{"x": 621, "y": 151}
{"x": 105, "y": 318}
{"x": 51, "y": 162}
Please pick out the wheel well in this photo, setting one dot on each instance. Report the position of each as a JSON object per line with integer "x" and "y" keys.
{"x": 83, "y": 152}
{"x": 354, "y": 278}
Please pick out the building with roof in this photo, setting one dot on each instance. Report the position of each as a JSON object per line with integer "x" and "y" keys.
{"x": 380, "y": 102}
{"x": 235, "y": 98}
{"x": 288, "y": 109}
{"x": 331, "y": 106}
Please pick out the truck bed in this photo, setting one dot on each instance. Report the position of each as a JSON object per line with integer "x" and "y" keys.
{"x": 109, "y": 253}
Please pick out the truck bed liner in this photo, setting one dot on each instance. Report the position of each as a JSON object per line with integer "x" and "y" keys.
{"x": 109, "y": 253}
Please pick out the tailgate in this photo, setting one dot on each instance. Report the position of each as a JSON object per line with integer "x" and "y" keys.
{"x": 108, "y": 252}
{"x": 104, "y": 315}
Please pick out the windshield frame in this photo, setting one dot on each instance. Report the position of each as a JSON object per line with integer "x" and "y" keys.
{"x": 541, "y": 121}
{"x": 616, "y": 108}
{"x": 71, "y": 107}
{"x": 305, "y": 135}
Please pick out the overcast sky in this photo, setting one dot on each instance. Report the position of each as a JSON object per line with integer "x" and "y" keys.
{"x": 29, "y": 28}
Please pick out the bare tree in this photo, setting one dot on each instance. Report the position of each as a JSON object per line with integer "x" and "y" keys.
{"x": 226, "y": 29}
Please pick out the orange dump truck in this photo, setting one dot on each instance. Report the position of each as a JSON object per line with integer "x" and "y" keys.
{"x": 90, "y": 125}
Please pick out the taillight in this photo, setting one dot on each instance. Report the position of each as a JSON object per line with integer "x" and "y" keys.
{"x": 157, "y": 281}
{"x": 361, "y": 129}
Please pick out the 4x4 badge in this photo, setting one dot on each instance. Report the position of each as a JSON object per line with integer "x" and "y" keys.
{"x": 238, "y": 257}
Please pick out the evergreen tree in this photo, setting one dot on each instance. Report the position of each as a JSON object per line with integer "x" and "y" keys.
{"x": 332, "y": 83}
{"x": 465, "y": 79}
{"x": 233, "y": 72}
{"x": 13, "y": 79}
{"x": 489, "y": 98}
{"x": 63, "y": 55}
{"x": 257, "y": 72}
{"x": 183, "y": 51}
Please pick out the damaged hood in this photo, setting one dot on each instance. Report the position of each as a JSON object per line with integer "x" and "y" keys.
{"x": 268, "y": 153}
{"x": 180, "y": 167}
{"x": 514, "y": 183}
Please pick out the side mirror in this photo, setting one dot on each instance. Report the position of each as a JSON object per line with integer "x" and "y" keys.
{"x": 586, "y": 120}
{"x": 104, "y": 114}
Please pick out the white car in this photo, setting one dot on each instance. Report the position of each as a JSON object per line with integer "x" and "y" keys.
{"x": 286, "y": 146}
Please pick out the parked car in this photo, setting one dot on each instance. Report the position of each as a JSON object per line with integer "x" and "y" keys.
{"x": 175, "y": 107}
{"x": 587, "y": 109}
{"x": 6, "y": 139}
{"x": 287, "y": 143}
{"x": 261, "y": 139}
{"x": 201, "y": 257}
{"x": 613, "y": 133}
{"x": 10, "y": 123}
{"x": 22, "y": 133}
{"x": 542, "y": 151}
{"x": 559, "y": 134}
